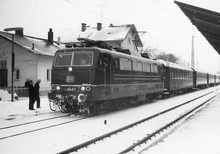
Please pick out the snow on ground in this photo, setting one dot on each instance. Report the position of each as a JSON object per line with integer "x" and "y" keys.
{"x": 199, "y": 135}
{"x": 13, "y": 112}
{"x": 184, "y": 140}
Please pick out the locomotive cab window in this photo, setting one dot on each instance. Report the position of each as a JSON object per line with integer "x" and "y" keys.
{"x": 82, "y": 58}
{"x": 63, "y": 59}
{"x": 76, "y": 58}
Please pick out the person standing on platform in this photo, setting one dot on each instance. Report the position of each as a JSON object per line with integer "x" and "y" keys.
{"x": 31, "y": 91}
{"x": 37, "y": 92}
{"x": 27, "y": 83}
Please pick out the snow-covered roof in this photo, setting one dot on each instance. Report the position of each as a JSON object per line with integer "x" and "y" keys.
{"x": 174, "y": 65}
{"x": 111, "y": 33}
{"x": 41, "y": 47}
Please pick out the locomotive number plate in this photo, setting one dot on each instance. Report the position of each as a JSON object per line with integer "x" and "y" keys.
{"x": 70, "y": 89}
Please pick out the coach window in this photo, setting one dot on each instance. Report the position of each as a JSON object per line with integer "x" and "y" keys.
{"x": 176, "y": 75}
{"x": 137, "y": 66}
{"x": 181, "y": 74}
{"x": 125, "y": 64}
{"x": 154, "y": 68}
{"x": 146, "y": 67}
{"x": 140, "y": 66}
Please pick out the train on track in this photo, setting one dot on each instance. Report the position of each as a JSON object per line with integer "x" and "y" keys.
{"x": 92, "y": 78}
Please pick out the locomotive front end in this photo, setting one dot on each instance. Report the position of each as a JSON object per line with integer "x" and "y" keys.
{"x": 72, "y": 85}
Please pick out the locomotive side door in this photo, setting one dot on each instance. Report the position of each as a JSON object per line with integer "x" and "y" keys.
{"x": 107, "y": 74}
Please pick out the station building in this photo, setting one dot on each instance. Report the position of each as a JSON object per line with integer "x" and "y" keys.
{"x": 33, "y": 59}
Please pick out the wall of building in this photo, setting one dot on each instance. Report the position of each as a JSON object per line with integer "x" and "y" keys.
{"x": 25, "y": 62}
{"x": 129, "y": 44}
{"x": 44, "y": 65}
{"x": 30, "y": 65}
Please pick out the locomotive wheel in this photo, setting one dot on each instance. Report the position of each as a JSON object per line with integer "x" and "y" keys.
{"x": 53, "y": 106}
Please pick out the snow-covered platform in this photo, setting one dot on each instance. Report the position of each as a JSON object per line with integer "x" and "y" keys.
{"x": 18, "y": 110}
{"x": 200, "y": 134}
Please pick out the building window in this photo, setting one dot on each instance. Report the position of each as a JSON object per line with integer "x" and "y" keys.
{"x": 17, "y": 74}
{"x": 48, "y": 74}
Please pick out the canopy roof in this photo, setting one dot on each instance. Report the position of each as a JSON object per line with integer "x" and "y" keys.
{"x": 206, "y": 21}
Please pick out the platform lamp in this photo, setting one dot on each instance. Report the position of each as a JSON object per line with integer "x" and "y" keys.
{"x": 19, "y": 30}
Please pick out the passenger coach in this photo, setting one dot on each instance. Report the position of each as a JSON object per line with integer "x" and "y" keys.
{"x": 177, "y": 78}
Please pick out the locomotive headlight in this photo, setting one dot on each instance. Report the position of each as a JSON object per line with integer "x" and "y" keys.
{"x": 70, "y": 69}
{"x": 88, "y": 88}
{"x": 83, "y": 88}
{"x": 58, "y": 88}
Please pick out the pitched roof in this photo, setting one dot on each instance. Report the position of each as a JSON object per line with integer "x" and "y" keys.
{"x": 206, "y": 21}
{"x": 41, "y": 47}
{"x": 112, "y": 33}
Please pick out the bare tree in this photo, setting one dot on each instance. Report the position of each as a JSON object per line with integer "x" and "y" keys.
{"x": 156, "y": 54}
{"x": 168, "y": 57}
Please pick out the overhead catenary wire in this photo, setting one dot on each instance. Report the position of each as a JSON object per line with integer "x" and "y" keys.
{"x": 79, "y": 6}
{"x": 166, "y": 10}
{"x": 143, "y": 17}
{"x": 157, "y": 30}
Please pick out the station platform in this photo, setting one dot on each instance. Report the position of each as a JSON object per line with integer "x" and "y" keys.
{"x": 13, "y": 112}
{"x": 200, "y": 134}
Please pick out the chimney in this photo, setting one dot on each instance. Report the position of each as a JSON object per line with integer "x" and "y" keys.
{"x": 19, "y": 32}
{"x": 32, "y": 46}
{"x": 50, "y": 36}
{"x": 83, "y": 27}
{"x": 59, "y": 40}
{"x": 99, "y": 26}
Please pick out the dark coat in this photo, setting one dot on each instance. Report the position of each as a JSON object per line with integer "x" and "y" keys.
{"x": 26, "y": 84}
{"x": 37, "y": 88}
{"x": 31, "y": 90}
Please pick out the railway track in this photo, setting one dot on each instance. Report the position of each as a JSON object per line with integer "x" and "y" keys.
{"x": 141, "y": 134}
{"x": 33, "y": 126}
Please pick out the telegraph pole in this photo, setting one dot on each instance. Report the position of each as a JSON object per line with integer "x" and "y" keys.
{"x": 13, "y": 58}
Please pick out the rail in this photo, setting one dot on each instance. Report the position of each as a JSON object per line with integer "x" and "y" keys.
{"x": 99, "y": 138}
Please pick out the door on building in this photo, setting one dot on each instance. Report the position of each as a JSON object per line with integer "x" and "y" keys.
{"x": 3, "y": 78}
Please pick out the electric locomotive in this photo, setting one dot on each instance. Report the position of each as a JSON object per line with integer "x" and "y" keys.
{"x": 93, "y": 79}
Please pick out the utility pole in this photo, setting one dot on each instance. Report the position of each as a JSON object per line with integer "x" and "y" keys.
{"x": 192, "y": 54}
{"x": 13, "y": 58}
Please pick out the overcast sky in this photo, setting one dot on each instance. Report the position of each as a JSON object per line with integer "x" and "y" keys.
{"x": 167, "y": 28}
